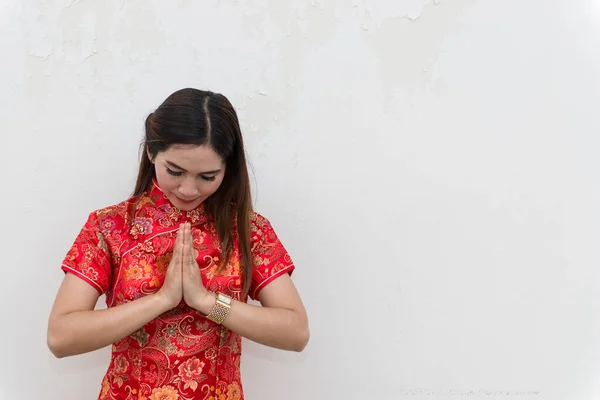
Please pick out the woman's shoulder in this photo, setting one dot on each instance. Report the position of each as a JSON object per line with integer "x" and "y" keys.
{"x": 257, "y": 218}
{"x": 114, "y": 216}
{"x": 261, "y": 228}
{"x": 122, "y": 208}
{"x": 259, "y": 222}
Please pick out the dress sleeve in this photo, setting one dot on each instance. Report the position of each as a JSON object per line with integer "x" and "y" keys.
{"x": 270, "y": 258}
{"x": 89, "y": 257}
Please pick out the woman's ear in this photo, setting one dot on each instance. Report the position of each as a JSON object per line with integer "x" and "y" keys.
{"x": 149, "y": 155}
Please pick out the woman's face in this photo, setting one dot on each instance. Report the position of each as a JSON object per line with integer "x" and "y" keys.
{"x": 188, "y": 174}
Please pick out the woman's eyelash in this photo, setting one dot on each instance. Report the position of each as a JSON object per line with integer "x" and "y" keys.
{"x": 174, "y": 173}
{"x": 179, "y": 173}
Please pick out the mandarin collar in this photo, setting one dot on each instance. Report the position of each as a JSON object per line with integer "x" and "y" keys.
{"x": 160, "y": 201}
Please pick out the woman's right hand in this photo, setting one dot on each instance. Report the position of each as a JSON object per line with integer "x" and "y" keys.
{"x": 172, "y": 289}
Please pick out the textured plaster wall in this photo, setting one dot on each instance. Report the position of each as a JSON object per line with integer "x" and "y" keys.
{"x": 432, "y": 168}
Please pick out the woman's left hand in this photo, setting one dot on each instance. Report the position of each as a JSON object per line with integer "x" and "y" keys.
{"x": 194, "y": 292}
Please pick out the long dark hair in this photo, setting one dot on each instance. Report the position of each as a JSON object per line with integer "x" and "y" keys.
{"x": 196, "y": 117}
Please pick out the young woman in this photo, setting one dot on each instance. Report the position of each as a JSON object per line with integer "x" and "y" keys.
{"x": 177, "y": 263}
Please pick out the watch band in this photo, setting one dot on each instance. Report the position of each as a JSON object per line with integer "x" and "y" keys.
{"x": 221, "y": 309}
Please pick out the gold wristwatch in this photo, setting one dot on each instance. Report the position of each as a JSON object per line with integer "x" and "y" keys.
{"x": 221, "y": 309}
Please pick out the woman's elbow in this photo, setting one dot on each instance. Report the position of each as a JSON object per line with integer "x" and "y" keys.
{"x": 302, "y": 340}
{"x": 56, "y": 343}
{"x": 54, "y": 346}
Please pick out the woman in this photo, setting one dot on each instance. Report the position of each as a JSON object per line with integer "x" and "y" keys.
{"x": 177, "y": 262}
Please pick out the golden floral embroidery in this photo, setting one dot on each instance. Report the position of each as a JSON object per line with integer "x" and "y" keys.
{"x": 105, "y": 387}
{"x": 108, "y": 225}
{"x": 101, "y": 243}
{"x": 141, "y": 226}
{"x": 164, "y": 393}
{"x": 141, "y": 336}
{"x": 219, "y": 395}
{"x": 91, "y": 273}
{"x": 162, "y": 262}
{"x": 121, "y": 364}
{"x": 191, "y": 372}
{"x": 146, "y": 247}
{"x": 234, "y": 392}
{"x": 170, "y": 330}
{"x": 134, "y": 272}
{"x": 148, "y": 269}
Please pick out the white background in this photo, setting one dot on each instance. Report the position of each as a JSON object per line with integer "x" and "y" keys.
{"x": 432, "y": 167}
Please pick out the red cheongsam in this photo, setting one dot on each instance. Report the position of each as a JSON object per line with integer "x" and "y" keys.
{"x": 123, "y": 252}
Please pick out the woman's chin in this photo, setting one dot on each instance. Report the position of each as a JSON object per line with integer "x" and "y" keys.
{"x": 185, "y": 205}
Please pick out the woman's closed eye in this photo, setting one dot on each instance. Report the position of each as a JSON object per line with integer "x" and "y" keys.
{"x": 174, "y": 173}
{"x": 208, "y": 178}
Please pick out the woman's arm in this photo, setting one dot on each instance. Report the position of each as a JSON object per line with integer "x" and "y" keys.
{"x": 74, "y": 327}
{"x": 281, "y": 322}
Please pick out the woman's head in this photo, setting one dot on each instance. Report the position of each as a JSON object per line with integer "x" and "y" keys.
{"x": 193, "y": 146}
{"x": 194, "y": 149}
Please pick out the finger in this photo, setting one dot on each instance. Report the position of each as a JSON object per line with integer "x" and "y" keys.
{"x": 186, "y": 233}
{"x": 181, "y": 245}
{"x": 177, "y": 256}
{"x": 184, "y": 239}
{"x": 188, "y": 243}
{"x": 176, "y": 246}
{"x": 191, "y": 249}
{"x": 173, "y": 261}
{"x": 177, "y": 251}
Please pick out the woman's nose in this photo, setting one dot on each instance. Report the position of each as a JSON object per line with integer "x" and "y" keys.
{"x": 188, "y": 189}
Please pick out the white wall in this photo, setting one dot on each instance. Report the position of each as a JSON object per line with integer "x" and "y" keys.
{"x": 431, "y": 166}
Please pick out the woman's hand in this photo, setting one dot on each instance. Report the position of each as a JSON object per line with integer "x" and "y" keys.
{"x": 194, "y": 292}
{"x": 172, "y": 289}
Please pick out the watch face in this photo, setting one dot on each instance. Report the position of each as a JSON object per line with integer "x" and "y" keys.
{"x": 223, "y": 298}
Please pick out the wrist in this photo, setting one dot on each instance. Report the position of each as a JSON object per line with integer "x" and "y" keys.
{"x": 221, "y": 308}
{"x": 163, "y": 303}
{"x": 206, "y": 302}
